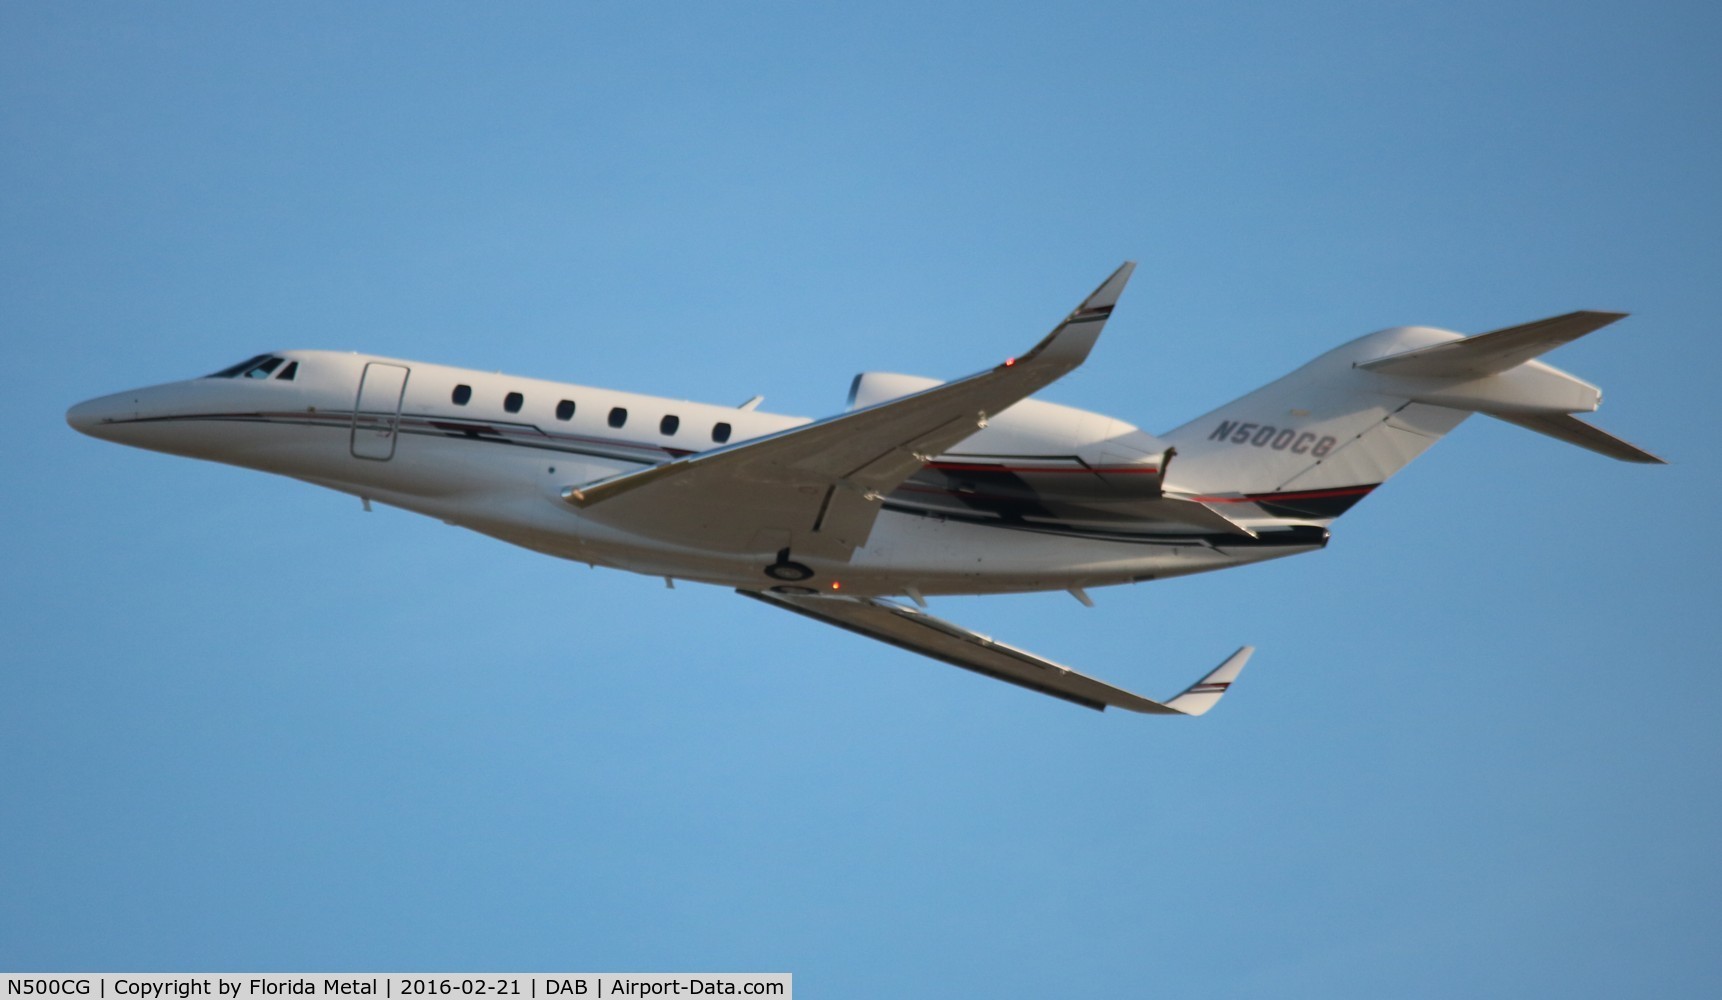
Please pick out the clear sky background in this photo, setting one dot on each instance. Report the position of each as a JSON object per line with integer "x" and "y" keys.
{"x": 245, "y": 726}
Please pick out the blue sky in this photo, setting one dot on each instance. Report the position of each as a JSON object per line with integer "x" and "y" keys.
{"x": 244, "y": 725}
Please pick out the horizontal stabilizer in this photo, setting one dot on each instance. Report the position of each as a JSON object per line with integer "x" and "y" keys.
{"x": 918, "y": 632}
{"x": 1572, "y": 430}
{"x": 1493, "y": 352}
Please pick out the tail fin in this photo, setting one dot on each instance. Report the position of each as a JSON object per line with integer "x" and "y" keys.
{"x": 1316, "y": 441}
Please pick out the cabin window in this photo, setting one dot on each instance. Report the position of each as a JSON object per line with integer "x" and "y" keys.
{"x": 513, "y": 402}
{"x": 565, "y": 410}
{"x": 462, "y": 395}
{"x": 669, "y": 424}
{"x": 720, "y": 433}
{"x": 618, "y": 416}
{"x": 288, "y": 372}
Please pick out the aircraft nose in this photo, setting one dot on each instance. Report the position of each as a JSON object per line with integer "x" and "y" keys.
{"x": 93, "y": 415}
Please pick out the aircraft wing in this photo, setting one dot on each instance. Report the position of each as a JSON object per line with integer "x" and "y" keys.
{"x": 918, "y": 632}
{"x": 817, "y": 486}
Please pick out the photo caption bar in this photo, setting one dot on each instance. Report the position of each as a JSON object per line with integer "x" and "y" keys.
{"x": 282, "y": 985}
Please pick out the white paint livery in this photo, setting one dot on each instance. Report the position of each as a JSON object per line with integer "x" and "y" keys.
{"x": 920, "y": 487}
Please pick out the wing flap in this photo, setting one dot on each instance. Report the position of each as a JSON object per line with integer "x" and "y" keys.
{"x": 918, "y": 632}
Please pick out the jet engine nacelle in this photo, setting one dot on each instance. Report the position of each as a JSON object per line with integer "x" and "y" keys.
{"x": 1046, "y": 432}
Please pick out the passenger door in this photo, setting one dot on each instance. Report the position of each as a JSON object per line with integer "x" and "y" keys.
{"x": 377, "y": 411}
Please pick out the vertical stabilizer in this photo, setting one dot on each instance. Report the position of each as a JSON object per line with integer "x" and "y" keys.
{"x": 1314, "y": 442}
{"x": 1325, "y": 427}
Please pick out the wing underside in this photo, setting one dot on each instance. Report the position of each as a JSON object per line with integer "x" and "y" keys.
{"x": 918, "y": 632}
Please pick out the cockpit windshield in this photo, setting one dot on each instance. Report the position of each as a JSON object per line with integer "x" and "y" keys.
{"x": 261, "y": 366}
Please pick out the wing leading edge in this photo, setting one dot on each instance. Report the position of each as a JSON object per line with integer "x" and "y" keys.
{"x": 821, "y": 482}
{"x": 918, "y": 632}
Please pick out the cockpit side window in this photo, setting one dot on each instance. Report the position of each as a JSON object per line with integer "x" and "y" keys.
{"x": 239, "y": 368}
{"x": 259, "y": 367}
{"x": 288, "y": 372}
{"x": 263, "y": 368}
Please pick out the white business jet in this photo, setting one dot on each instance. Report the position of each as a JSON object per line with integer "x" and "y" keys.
{"x": 919, "y": 488}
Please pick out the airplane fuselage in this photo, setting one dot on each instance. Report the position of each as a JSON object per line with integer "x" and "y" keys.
{"x": 1040, "y": 499}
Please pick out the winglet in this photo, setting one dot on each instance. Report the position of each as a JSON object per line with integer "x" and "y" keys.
{"x": 1205, "y": 693}
{"x": 1106, "y": 296}
{"x": 1069, "y": 343}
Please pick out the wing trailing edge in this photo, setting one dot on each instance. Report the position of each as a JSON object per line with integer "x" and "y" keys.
{"x": 918, "y": 632}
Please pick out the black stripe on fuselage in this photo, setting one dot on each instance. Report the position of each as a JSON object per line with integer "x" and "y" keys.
{"x": 519, "y": 435}
{"x": 511, "y": 434}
